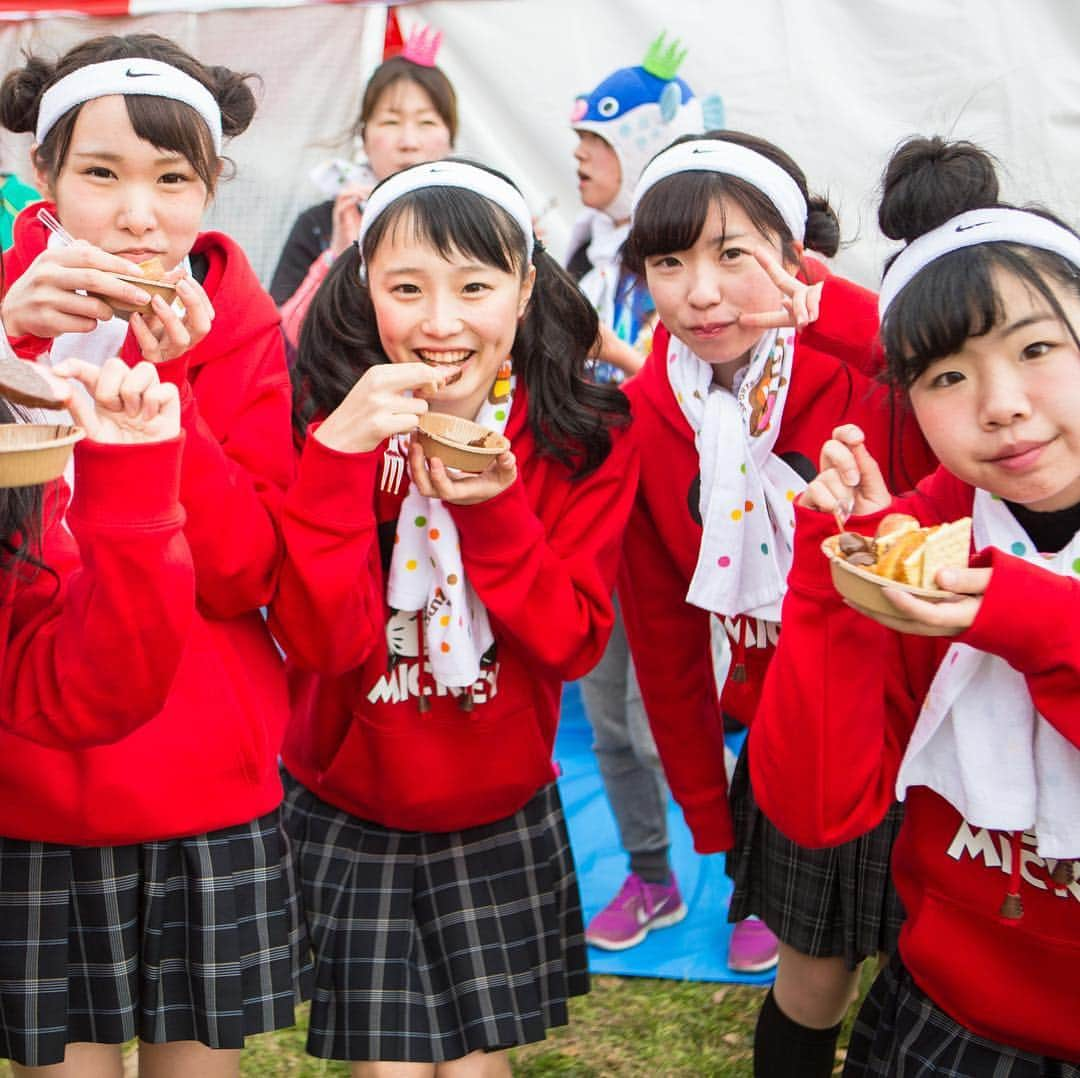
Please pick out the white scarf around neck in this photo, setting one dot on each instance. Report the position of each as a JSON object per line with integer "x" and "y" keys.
{"x": 747, "y": 491}
{"x": 980, "y": 743}
{"x": 427, "y": 573}
{"x": 601, "y": 283}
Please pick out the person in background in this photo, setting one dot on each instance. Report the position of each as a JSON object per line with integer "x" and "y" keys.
{"x": 628, "y": 117}
{"x": 408, "y": 115}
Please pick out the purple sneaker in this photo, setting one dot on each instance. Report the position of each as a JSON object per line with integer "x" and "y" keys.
{"x": 638, "y": 907}
{"x": 753, "y": 948}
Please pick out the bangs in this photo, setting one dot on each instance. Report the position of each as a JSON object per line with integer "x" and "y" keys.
{"x": 454, "y": 221}
{"x": 955, "y": 298}
{"x": 176, "y": 128}
{"x": 672, "y": 214}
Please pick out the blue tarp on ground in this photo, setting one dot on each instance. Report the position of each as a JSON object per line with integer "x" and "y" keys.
{"x": 696, "y": 948}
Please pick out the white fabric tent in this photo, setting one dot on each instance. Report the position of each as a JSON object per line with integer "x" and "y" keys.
{"x": 834, "y": 83}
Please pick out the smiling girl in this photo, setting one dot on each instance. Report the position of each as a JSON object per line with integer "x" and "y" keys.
{"x": 166, "y": 911}
{"x": 732, "y": 405}
{"x": 439, "y": 615}
{"x": 408, "y": 115}
{"x": 968, "y": 710}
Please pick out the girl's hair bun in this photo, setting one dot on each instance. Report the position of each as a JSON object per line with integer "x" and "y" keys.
{"x": 234, "y": 98}
{"x": 929, "y": 180}
{"x": 822, "y": 227}
{"x": 20, "y": 93}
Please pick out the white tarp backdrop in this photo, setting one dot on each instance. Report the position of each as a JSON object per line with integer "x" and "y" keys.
{"x": 835, "y": 83}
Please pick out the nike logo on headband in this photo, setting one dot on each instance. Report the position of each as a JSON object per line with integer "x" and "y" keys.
{"x": 968, "y": 228}
{"x": 141, "y": 74}
{"x": 703, "y": 149}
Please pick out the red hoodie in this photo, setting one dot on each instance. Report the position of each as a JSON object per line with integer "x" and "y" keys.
{"x": 89, "y": 646}
{"x": 668, "y": 636}
{"x": 838, "y": 707}
{"x": 541, "y": 557}
{"x": 209, "y": 760}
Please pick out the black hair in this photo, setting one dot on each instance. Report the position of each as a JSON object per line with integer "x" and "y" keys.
{"x": 672, "y": 213}
{"x": 432, "y": 80}
{"x": 570, "y": 416}
{"x": 928, "y": 181}
{"x": 167, "y": 124}
{"x": 20, "y": 519}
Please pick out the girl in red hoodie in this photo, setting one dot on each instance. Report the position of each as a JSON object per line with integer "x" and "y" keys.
{"x": 967, "y": 709}
{"x": 439, "y": 615}
{"x": 85, "y": 656}
{"x": 165, "y": 909}
{"x": 730, "y": 409}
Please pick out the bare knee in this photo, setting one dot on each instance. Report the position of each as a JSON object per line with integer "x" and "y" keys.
{"x": 180, "y": 1059}
{"x": 379, "y": 1069}
{"x": 477, "y": 1065}
{"x": 814, "y": 992}
{"x": 80, "y": 1061}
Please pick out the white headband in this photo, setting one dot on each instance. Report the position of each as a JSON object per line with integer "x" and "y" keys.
{"x": 137, "y": 76}
{"x": 713, "y": 155}
{"x": 448, "y": 174}
{"x": 969, "y": 229}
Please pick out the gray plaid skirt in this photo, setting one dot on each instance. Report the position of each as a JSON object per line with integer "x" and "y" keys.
{"x": 824, "y": 903}
{"x": 901, "y": 1033}
{"x": 430, "y": 946}
{"x": 182, "y": 939}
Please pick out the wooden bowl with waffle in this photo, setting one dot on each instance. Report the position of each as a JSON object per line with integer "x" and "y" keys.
{"x": 902, "y": 555}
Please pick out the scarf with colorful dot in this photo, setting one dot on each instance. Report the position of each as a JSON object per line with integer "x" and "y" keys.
{"x": 427, "y": 574}
{"x": 747, "y": 491}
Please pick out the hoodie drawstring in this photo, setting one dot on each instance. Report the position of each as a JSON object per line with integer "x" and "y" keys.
{"x": 423, "y": 704}
{"x": 423, "y": 701}
{"x": 738, "y": 658}
{"x": 1012, "y": 909}
{"x": 1064, "y": 873}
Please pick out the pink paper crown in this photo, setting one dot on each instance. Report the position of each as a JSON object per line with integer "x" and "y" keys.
{"x": 422, "y": 45}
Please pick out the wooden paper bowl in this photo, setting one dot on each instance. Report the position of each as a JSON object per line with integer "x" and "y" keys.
{"x": 33, "y": 453}
{"x": 866, "y": 590}
{"x": 446, "y": 438}
{"x": 155, "y": 288}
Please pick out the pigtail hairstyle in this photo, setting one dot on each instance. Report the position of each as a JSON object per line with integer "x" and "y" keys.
{"x": 339, "y": 340}
{"x": 569, "y": 414}
{"x": 927, "y": 182}
{"x": 169, "y": 125}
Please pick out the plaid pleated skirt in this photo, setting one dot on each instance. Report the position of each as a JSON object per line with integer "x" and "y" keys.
{"x": 823, "y": 903}
{"x": 900, "y": 1033}
{"x": 430, "y": 946}
{"x": 182, "y": 939}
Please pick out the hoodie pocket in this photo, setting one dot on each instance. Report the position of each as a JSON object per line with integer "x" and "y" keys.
{"x": 1007, "y": 981}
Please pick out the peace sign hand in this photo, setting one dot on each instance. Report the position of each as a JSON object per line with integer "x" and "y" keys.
{"x": 801, "y": 302}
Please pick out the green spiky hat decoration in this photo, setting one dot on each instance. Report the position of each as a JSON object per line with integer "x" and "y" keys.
{"x": 664, "y": 61}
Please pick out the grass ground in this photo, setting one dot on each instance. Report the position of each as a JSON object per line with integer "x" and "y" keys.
{"x": 630, "y": 1027}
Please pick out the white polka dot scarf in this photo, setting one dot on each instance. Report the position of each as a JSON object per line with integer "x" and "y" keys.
{"x": 426, "y": 572}
{"x": 980, "y": 743}
{"x": 746, "y": 491}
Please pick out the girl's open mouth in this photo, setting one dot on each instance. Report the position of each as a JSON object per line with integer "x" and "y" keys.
{"x": 450, "y": 361}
